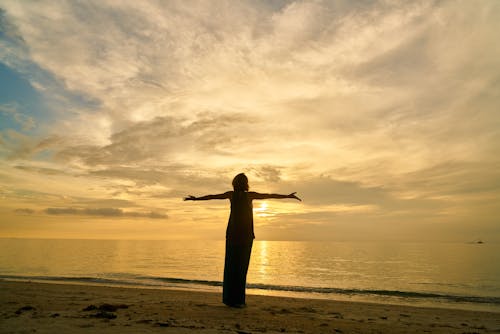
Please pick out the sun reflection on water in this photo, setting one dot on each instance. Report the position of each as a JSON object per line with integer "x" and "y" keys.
{"x": 262, "y": 259}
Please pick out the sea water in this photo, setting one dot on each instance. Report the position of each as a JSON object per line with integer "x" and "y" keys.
{"x": 460, "y": 275}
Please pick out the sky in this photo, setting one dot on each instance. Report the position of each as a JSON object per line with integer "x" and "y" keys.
{"x": 383, "y": 116}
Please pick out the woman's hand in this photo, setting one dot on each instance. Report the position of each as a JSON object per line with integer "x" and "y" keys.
{"x": 292, "y": 195}
{"x": 190, "y": 198}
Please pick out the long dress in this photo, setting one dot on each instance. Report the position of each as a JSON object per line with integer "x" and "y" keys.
{"x": 239, "y": 240}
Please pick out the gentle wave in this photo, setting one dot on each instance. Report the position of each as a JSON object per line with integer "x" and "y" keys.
{"x": 170, "y": 281}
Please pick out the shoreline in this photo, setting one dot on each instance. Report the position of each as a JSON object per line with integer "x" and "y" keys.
{"x": 434, "y": 300}
{"x": 75, "y": 308}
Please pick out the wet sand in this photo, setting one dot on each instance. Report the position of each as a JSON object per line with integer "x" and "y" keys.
{"x": 28, "y": 307}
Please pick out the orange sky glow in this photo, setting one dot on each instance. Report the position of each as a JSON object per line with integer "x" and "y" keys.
{"x": 383, "y": 116}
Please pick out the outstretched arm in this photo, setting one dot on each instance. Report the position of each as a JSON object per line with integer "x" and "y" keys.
{"x": 255, "y": 195}
{"x": 207, "y": 197}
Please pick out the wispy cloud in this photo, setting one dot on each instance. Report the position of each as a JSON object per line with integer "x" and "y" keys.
{"x": 26, "y": 211}
{"x": 103, "y": 212}
{"x": 27, "y": 123}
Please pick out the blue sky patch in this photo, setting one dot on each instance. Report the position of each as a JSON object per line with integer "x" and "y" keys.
{"x": 19, "y": 101}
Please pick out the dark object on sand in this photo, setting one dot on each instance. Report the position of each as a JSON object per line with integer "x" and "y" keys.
{"x": 25, "y": 308}
{"x": 105, "y": 307}
{"x": 103, "y": 315}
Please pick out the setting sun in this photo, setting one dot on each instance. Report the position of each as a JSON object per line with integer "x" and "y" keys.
{"x": 261, "y": 210}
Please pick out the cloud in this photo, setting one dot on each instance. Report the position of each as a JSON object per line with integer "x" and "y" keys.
{"x": 26, "y": 211}
{"x": 355, "y": 197}
{"x": 104, "y": 212}
{"x": 20, "y": 146}
{"x": 324, "y": 190}
{"x": 453, "y": 179}
{"x": 12, "y": 42}
{"x": 104, "y": 203}
{"x": 16, "y": 145}
{"x": 62, "y": 211}
{"x": 162, "y": 138}
{"x": 41, "y": 170}
{"x": 268, "y": 173}
{"x": 27, "y": 123}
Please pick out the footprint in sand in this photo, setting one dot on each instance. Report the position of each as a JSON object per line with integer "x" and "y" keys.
{"x": 144, "y": 321}
{"x": 104, "y": 311}
{"x": 24, "y": 309}
{"x": 103, "y": 315}
{"x": 336, "y": 315}
{"x": 163, "y": 324}
{"x": 307, "y": 309}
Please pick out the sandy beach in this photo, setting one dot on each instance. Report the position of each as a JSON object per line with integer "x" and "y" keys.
{"x": 63, "y": 308}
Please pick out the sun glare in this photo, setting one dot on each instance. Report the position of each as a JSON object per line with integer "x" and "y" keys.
{"x": 262, "y": 259}
{"x": 262, "y": 210}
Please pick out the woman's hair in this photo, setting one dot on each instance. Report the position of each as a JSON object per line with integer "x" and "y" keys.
{"x": 240, "y": 182}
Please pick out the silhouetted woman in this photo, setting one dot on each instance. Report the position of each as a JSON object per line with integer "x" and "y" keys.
{"x": 239, "y": 237}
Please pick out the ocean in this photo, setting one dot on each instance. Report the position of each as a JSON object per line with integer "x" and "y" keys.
{"x": 456, "y": 275}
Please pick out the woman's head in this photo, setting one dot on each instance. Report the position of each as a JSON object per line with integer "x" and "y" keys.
{"x": 240, "y": 182}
